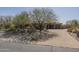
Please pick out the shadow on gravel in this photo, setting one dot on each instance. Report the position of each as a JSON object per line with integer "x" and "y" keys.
{"x": 25, "y": 36}
{"x": 74, "y": 35}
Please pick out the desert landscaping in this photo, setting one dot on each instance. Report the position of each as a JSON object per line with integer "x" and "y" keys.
{"x": 38, "y": 30}
{"x": 63, "y": 39}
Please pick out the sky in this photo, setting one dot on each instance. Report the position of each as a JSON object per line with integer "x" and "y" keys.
{"x": 63, "y": 13}
{"x": 67, "y": 13}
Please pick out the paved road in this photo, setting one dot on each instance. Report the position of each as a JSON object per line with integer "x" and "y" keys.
{"x": 63, "y": 39}
{"x": 16, "y": 47}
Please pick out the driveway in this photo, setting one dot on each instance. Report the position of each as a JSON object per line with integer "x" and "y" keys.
{"x": 63, "y": 39}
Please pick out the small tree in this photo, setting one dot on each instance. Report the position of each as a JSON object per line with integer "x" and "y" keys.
{"x": 41, "y": 16}
{"x": 20, "y": 21}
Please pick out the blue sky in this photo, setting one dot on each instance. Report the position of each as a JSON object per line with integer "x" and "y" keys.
{"x": 67, "y": 13}
{"x": 63, "y": 13}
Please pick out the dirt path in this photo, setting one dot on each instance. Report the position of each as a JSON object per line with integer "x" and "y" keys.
{"x": 63, "y": 39}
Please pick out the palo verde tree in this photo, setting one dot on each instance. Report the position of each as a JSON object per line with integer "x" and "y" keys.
{"x": 20, "y": 21}
{"x": 40, "y": 17}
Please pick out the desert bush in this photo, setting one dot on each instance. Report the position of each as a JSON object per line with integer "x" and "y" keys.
{"x": 72, "y": 26}
{"x": 69, "y": 29}
{"x": 73, "y": 30}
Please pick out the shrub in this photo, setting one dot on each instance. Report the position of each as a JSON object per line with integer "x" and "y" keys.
{"x": 69, "y": 29}
{"x": 77, "y": 33}
{"x": 73, "y": 30}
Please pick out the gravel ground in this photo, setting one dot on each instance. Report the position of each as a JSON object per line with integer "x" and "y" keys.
{"x": 63, "y": 39}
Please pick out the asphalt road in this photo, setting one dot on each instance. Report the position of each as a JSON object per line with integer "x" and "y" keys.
{"x": 17, "y": 47}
